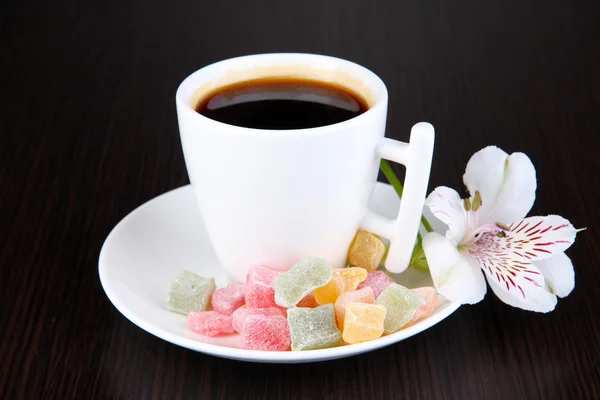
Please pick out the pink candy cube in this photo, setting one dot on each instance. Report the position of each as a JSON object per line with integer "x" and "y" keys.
{"x": 260, "y": 292}
{"x": 428, "y": 308}
{"x": 228, "y": 299}
{"x": 364, "y": 295}
{"x": 267, "y": 333}
{"x": 240, "y": 315}
{"x": 209, "y": 323}
{"x": 378, "y": 281}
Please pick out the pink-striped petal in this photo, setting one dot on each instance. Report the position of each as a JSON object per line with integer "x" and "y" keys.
{"x": 512, "y": 272}
{"x": 538, "y": 299}
{"x": 506, "y": 183}
{"x": 539, "y": 238}
{"x": 507, "y": 259}
{"x": 446, "y": 205}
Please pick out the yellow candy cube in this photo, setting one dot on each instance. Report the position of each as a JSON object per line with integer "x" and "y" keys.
{"x": 343, "y": 280}
{"x": 363, "y": 322}
{"x": 366, "y": 251}
{"x": 364, "y": 295}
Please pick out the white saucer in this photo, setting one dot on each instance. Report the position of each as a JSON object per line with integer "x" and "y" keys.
{"x": 165, "y": 235}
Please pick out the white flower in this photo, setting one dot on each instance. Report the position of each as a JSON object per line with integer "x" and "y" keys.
{"x": 522, "y": 258}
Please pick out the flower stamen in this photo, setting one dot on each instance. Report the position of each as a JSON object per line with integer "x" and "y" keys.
{"x": 477, "y": 202}
{"x": 502, "y": 226}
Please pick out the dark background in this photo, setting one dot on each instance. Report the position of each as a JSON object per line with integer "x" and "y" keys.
{"x": 88, "y": 132}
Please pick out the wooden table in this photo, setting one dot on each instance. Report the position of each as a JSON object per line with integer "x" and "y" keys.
{"x": 88, "y": 132}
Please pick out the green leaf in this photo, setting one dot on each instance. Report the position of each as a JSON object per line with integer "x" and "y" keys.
{"x": 391, "y": 177}
{"x": 418, "y": 259}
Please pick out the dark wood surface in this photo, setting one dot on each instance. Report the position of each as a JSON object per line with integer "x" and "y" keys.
{"x": 88, "y": 132}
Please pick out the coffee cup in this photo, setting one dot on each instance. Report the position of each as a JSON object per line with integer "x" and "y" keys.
{"x": 273, "y": 197}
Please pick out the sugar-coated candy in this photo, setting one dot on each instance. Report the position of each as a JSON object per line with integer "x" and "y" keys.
{"x": 228, "y": 299}
{"x": 308, "y": 301}
{"x": 431, "y": 303}
{"x": 363, "y": 322}
{"x": 364, "y": 295}
{"x": 401, "y": 304}
{"x": 378, "y": 281}
{"x": 240, "y": 315}
{"x": 209, "y": 323}
{"x": 260, "y": 292}
{"x": 190, "y": 293}
{"x": 304, "y": 277}
{"x": 343, "y": 280}
{"x": 233, "y": 340}
{"x": 266, "y": 332}
{"x": 366, "y": 251}
{"x": 313, "y": 328}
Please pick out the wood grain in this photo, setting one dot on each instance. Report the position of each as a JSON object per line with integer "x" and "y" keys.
{"x": 88, "y": 132}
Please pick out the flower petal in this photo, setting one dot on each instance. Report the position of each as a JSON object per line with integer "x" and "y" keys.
{"x": 512, "y": 276}
{"x": 538, "y": 299}
{"x": 506, "y": 183}
{"x": 454, "y": 275}
{"x": 446, "y": 205}
{"x": 559, "y": 274}
{"x": 539, "y": 238}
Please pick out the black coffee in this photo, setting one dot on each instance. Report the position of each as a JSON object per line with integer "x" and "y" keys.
{"x": 282, "y": 103}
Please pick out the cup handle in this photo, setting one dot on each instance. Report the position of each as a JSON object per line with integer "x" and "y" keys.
{"x": 402, "y": 231}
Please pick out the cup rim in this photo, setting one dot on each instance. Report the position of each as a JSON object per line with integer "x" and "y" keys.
{"x": 183, "y": 104}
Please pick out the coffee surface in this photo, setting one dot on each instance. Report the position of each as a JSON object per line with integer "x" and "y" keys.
{"x": 282, "y": 103}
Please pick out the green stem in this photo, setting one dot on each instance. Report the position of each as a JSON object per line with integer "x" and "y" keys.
{"x": 395, "y": 182}
{"x": 391, "y": 177}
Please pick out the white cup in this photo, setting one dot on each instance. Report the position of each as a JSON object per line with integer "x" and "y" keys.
{"x": 274, "y": 197}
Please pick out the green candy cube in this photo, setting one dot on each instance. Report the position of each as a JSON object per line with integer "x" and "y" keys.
{"x": 313, "y": 328}
{"x": 300, "y": 280}
{"x": 190, "y": 293}
{"x": 401, "y": 304}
